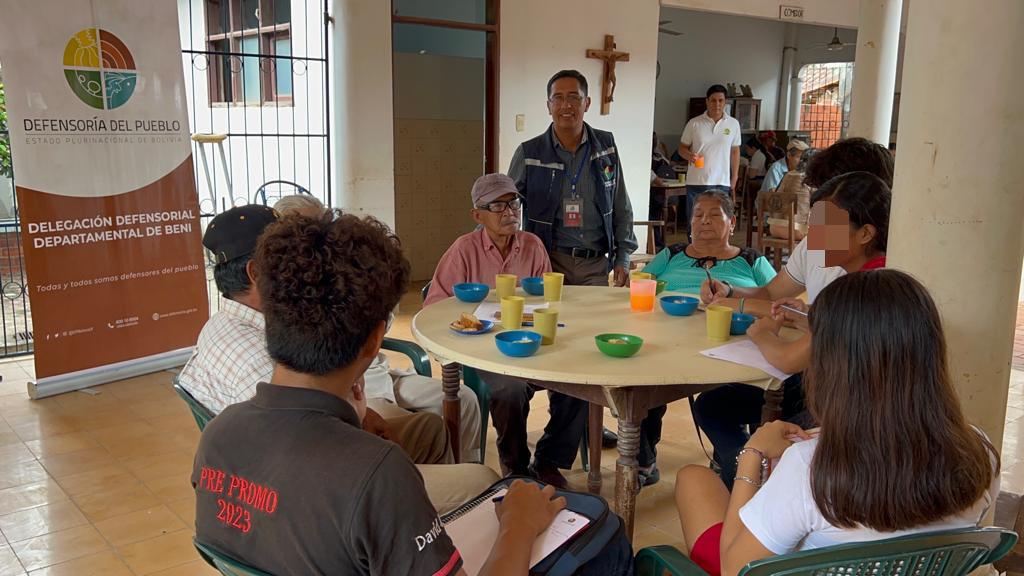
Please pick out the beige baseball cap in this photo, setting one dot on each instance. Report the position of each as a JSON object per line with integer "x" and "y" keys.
{"x": 797, "y": 144}
{"x": 490, "y": 187}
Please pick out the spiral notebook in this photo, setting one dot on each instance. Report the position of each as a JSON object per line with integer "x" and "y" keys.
{"x": 473, "y": 528}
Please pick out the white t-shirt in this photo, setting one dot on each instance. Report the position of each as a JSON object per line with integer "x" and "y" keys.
{"x": 715, "y": 141}
{"x": 783, "y": 516}
{"x": 808, "y": 274}
{"x": 757, "y": 164}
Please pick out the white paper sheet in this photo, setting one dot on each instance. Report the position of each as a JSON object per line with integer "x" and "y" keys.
{"x": 746, "y": 353}
{"x": 491, "y": 310}
{"x": 475, "y": 532}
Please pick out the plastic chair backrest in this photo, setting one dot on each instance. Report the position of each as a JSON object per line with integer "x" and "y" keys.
{"x": 946, "y": 553}
{"x": 201, "y": 413}
{"x": 226, "y": 565}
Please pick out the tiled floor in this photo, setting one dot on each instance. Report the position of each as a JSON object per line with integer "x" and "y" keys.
{"x": 96, "y": 482}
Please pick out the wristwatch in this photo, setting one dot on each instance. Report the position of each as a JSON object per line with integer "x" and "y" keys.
{"x": 729, "y": 286}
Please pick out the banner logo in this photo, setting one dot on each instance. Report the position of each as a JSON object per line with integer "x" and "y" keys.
{"x": 99, "y": 68}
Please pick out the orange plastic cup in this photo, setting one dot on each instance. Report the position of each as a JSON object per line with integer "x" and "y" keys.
{"x": 699, "y": 161}
{"x": 641, "y": 295}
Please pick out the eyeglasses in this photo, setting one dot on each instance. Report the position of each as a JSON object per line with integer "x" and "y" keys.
{"x": 391, "y": 320}
{"x": 572, "y": 99}
{"x": 499, "y": 206}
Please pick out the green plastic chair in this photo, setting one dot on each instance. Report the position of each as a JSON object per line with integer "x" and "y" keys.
{"x": 224, "y": 563}
{"x": 201, "y": 413}
{"x": 945, "y": 553}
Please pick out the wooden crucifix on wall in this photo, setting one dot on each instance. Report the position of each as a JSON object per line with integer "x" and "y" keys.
{"x": 610, "y": 56}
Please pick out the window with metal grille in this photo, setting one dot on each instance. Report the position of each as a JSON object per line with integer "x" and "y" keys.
{"x": 251, "y": 46}
{"x": 825, "y": 101}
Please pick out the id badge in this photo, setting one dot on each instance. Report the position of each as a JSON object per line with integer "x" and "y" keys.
{"x": 572, "y": 213}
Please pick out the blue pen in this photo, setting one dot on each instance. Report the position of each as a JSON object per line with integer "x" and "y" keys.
{"x": 497, "y": 499}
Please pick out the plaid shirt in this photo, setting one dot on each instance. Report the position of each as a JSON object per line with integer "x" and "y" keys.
{"x": 230, "y": 357}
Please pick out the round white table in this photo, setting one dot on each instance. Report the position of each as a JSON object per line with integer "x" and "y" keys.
{"x": 668, "y": 367}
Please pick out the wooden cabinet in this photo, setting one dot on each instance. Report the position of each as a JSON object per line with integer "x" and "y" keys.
{"x": 747, "y": 111}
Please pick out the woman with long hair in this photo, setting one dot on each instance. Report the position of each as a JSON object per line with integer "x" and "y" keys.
{"x": 894, "y": 454}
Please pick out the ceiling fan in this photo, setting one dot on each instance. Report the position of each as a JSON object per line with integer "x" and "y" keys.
{"x": 663, "y": 30}
{"x": 836, "y": 44}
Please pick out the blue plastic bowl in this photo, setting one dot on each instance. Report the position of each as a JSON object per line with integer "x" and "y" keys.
{"x": 514, "y": 343}
{"x": 471, "y": 291}
{"x": 533, "y": 285}
{"x": 679, "y": 305}
{"x": 740, "y": 323}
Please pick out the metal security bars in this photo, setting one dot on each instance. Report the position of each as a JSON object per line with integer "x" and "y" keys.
{"x": 825, "y": 101}
{"x": 256, "y": 78}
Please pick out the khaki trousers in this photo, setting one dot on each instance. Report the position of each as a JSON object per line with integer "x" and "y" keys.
{"x": 424, "y": 438}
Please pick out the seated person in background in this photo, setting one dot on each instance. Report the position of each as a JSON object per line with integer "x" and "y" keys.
{"x": 683, "y": 267}
{"x": 661, "y": 172}
{"x": 287, "y": 482}
{"x": 767, "y": 154}
{"x": 794, "y": 151}
{"x": 499, "y": 247}
{"x": 392, "y": 393}
{"x": 849, "y": 231}
{"x": 792, "y": 188}
{"x": 231, "y": 359}
{"x": 886, "y": 404}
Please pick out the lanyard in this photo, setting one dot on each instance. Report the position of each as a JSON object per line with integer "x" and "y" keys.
{"x": 579, "y": 170}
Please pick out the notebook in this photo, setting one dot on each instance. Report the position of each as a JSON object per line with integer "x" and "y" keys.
{"x": 747, "y": 353}
{"x": 474, "y": 529}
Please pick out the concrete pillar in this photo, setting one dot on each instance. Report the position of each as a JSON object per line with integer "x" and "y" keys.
{"x": 796, "y": 97}
{"x": 874, "y": 80}
{"x": 363, "y": 118}
{"x": 957, "y": 207}
{"x": 785, "y": 84}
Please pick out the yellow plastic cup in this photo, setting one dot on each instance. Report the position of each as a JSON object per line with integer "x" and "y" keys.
{"x": 553, "y": 286}
{"x": 545, "y": 323}
{"x": 512, "y": 313}
{"x": 633, "y": 276}
{"x": 719, "y": 319}
{"x": 505, "y": 284}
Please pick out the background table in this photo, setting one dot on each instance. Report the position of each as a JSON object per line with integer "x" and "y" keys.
{"x": 670, "y": 189}
{"x": 667, "y": 368}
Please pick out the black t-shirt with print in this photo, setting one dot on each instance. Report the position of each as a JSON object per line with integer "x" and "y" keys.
{"x": 288, "y": 483}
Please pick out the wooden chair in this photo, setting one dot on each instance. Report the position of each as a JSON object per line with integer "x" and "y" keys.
{"x": 639, "y": 260}
{"x": 945, "y": 553}
{"x": 774, "y": 205}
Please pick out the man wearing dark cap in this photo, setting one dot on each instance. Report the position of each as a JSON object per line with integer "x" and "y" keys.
{"x": 231, "y": 358}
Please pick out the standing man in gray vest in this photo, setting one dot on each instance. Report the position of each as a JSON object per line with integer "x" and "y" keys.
{"x": 571, "y": 185}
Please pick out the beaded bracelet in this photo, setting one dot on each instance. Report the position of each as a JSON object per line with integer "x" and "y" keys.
{"x": 750, "y": 481}
{"x": 764, "y": 462}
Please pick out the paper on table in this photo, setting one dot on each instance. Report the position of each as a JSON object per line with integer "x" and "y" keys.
{"x": 475, "y": 532}
{"x": 746, "y": 353}
{"x": 492, "y": 310}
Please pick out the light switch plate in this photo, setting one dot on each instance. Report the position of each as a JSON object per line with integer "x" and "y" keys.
{"x": 520, "y": 122}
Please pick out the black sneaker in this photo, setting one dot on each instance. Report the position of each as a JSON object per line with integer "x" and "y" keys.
{"x": 609, "y": 439}
{"x": 548, "y": 474}
{"x": 648, "y": 478}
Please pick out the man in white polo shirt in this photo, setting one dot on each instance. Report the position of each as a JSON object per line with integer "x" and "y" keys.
{"x": 711, "y": 144}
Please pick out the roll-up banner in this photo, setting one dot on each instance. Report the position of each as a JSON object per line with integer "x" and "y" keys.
{"x": 103, "y": 173}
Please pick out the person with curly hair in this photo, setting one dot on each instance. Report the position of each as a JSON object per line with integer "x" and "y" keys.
{"x": 231, "y": 358}
{"x": 288, "y": 482}
{"x": 393, "y": 393}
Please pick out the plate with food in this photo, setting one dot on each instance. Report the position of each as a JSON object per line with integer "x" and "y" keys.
{"x": 469, "y": 325}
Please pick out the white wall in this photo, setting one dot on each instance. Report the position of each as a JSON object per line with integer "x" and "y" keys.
{"x": 363, "y": 116}
{"x": 715, "y": 49}
{"x": 826, "y": 12}
{"x": 536, "y": 43}
{"x": 435, "y": 87}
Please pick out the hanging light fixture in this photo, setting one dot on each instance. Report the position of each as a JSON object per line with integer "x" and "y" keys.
{"x": 836, "y": 44}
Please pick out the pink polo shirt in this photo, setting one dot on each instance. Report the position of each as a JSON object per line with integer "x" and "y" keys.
{"x": 473, "y": 257}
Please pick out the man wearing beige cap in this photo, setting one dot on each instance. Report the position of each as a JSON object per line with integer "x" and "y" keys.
{"x": 498, "y": 246}
{"x": 794, "y": 150}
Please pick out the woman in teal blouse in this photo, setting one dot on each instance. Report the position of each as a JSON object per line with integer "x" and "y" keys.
{"x": 682, "y": 266}
{"x": 712, "y": 224}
